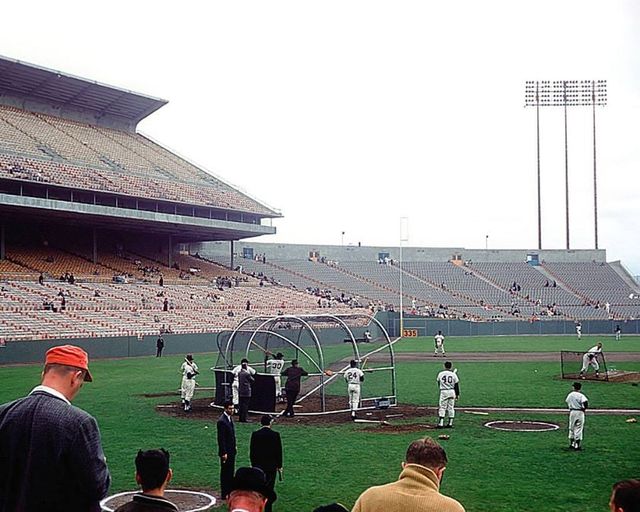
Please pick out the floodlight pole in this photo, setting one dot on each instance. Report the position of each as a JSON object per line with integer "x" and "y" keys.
{"x": 403, "y": 220}
{"x": 566, "y": 160}
{"x": 567, "y": 93}
{"x": 595, "y": 180}
{"x": 400, "y": 269}
{"x": 538, "y": 154}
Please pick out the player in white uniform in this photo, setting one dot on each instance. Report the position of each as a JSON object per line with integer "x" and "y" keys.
{"x": 274, "y": 366}
{"x": 439, "y": 344}
{"x": 449, "y": 392}
{"x": 579, "y": 330}
{"x": 235, "y": 397}
{"x": 353, "y": 376}
{"x": 590, "y": 358}
{"x": 577, "y": 403}
{"x": 189, "y": 370}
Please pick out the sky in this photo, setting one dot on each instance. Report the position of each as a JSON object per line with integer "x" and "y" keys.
{"x": 350, "y": 115}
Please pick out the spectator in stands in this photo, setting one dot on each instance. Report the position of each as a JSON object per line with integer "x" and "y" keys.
{"x": 153, "y": 474}
{"x": 625, "y": 496}
{"x": 51, "y": 454}
{"x": 248, "y": 305}
{"x": 418, "y": 487}
{"x": 161, "y": 280}
{"x": 165, "y": 305}
{"x": 41, "y": 279}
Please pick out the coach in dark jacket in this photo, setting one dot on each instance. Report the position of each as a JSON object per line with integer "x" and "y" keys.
{"x": 244, "y": 392}
{"x": 294, "y": 374}
{"x": 51, "y": 458}
{"x": 226, "y": 449}
{"x": 265, "y": 453}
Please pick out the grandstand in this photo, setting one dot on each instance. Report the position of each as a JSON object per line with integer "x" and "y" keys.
{"x": 106, "y": 233}
{"x": 451, "y": 283}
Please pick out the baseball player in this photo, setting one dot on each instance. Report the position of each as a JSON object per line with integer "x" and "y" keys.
{"x": 244, "y": 364}
{"x": 439, "y": 344}
{"x": 618, "y": 332}
{"x": 590, "y": 358}
{"x": 579, "y": 330}
{"x": 274, "y": 366}
{"x": 353, "y": 376}
{"x": 577, "y": 403}
{"x": 449, "y": 392}
{"x": 189, "y": 370}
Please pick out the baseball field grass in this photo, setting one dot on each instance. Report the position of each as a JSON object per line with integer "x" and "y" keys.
{"x": 488, "y": 470}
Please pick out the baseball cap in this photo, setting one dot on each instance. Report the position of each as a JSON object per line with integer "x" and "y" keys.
{"x": 69, "y": 355}
{"x": 252, "y": 479}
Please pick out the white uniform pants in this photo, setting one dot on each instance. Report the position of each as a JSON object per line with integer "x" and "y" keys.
{"x": 278, "y": 382}
{"x": 587, "y": 361}
{"x": 439, "y": 347}
{"x": 576, "y": 425}
{"x": 187, "y": 389}
{"x": 353, "y": 391}
{"x": 235, "y": 398}
{"x": 447, "y": 402}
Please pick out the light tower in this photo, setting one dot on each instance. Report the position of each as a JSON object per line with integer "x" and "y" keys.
{"x": 566, "y": 93}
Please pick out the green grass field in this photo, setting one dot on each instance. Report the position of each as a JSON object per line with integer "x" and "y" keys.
{"x": 488, "y": 470}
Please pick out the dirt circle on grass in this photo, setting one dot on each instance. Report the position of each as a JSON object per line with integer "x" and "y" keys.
{"x": 522, "y": 426}
{"x": 186, "y": 501}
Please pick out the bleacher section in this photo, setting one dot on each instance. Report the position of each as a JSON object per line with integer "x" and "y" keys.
{"x": 198, "y": 295}
{"x": 40, "y": 148}
{"x": 105, "y": 309}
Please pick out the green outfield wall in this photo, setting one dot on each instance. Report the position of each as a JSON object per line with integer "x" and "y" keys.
{"x": 17, "y": 352}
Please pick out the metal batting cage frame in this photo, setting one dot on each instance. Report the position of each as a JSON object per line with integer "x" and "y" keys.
{"x": 571, "y": 363}
{"x": 308, "y": 338}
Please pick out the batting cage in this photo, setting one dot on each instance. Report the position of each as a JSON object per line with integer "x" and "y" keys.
{"x": 583, "y": 365}
{"x": 324, "y": 345}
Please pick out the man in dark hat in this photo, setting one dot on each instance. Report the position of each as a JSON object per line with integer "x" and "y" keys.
{"x": 249, "y": 491}
{"x": 153, "y": 474}
{"x": 265, "y": 453}
{"x": 51, "y": 454}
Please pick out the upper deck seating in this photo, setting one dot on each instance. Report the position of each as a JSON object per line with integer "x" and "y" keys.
{"x": 106, "y": 160}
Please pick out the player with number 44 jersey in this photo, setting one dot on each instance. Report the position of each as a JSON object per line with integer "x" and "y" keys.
{"x": 449, "y": 391}
{"x": 354, "y": 376}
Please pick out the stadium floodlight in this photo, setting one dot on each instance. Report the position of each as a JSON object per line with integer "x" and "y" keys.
{"x": 566, "y": 93}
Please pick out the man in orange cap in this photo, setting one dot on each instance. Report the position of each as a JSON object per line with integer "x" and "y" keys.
{"x": 51, "y": 454}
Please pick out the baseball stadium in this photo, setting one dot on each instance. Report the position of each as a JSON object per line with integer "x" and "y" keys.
{"x": 112, "y": 242}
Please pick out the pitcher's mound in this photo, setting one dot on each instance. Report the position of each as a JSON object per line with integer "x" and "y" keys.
{"x": 522, "y": 426}
{"x": 186, "y": 501}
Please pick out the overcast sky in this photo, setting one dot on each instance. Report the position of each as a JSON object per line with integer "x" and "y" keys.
{"x": 348, "y": 115}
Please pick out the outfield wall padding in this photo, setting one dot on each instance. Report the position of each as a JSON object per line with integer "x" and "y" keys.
{"x": 16, "y": 352}
{"x": 430, "y": 326}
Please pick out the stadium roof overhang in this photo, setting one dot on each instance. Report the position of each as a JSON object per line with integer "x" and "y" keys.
{"x": 182, "y": 228}
{"x": 39, "y": 89}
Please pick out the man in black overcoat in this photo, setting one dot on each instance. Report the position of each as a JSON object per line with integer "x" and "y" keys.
{"x": 226, "y": 448}
{"x": 266, "y": 453}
